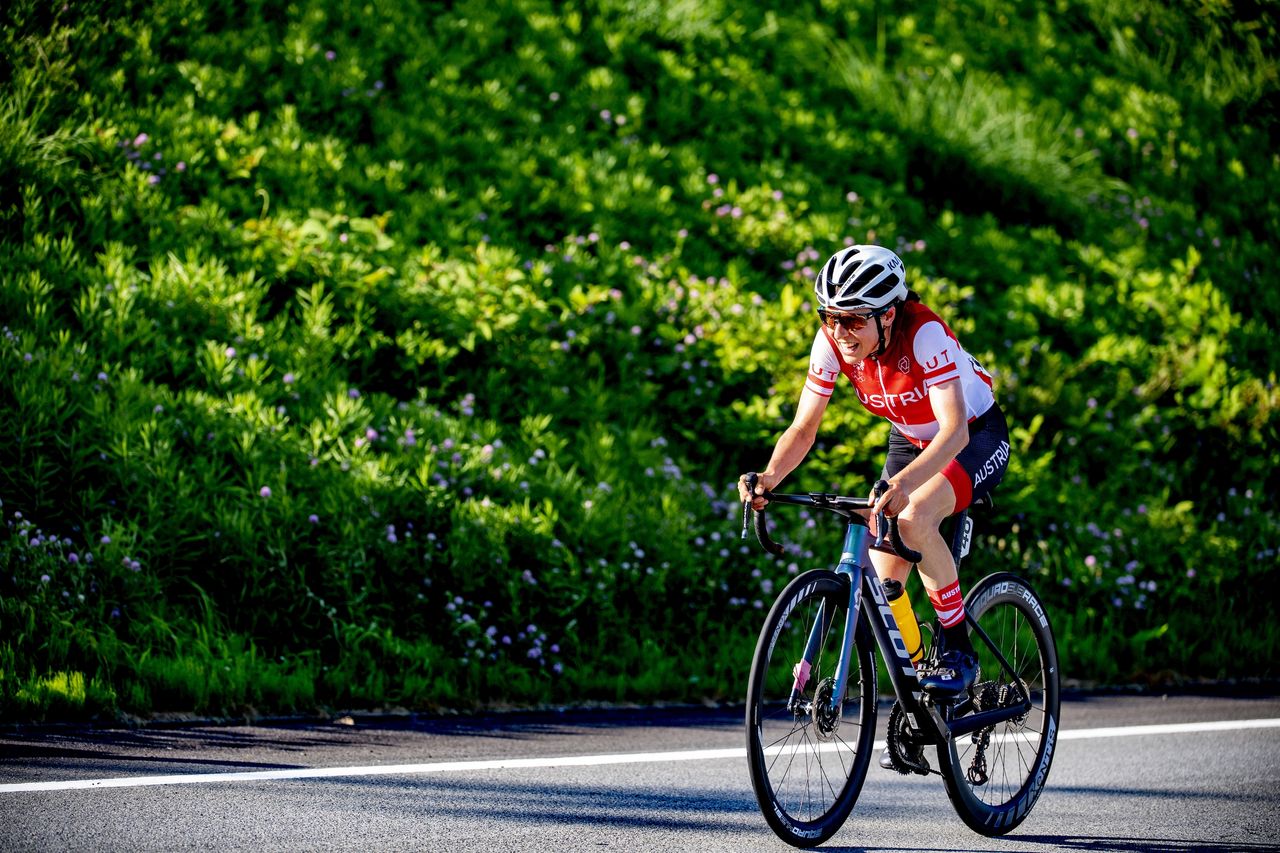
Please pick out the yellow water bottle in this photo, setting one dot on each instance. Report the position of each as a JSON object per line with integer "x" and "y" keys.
{"x": 908, "y": 627}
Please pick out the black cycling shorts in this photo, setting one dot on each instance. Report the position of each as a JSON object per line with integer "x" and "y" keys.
{"x": 976, "y": 470}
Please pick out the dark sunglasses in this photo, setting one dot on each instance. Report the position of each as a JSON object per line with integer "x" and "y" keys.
{"x": 851, "y": 322}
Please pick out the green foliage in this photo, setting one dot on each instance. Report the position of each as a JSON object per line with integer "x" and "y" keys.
{"x": 405, "y": 356}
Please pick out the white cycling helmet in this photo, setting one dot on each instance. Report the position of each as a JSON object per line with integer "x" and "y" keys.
{"x": 859, "y": 277}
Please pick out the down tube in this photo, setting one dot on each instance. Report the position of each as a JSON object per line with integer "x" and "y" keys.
{"x": 885, "y": 628}
{"x": 853, "y": 557}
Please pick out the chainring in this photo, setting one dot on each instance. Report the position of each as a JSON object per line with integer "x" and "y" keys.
{"x": 906, "y": 748}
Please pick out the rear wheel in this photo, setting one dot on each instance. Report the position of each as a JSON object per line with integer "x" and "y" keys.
{"x": 995, "y": 775}
{"x": 808, "y": 756}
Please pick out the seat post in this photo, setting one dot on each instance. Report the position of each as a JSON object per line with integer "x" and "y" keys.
{"x": 962, "y": 533}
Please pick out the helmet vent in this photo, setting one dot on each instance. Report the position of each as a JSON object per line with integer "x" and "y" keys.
{"x": 882, "y": 289}
{"x": 866, "y": 275}
{"x": 830, "y": 271}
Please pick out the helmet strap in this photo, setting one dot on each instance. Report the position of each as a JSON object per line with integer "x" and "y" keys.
{"x": 879, "y": 330}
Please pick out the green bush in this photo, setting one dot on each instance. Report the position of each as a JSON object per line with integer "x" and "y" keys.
{"x": 364, "y": 357}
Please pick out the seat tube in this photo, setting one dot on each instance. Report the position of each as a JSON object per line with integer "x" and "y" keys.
{"x": 853, "y": 559}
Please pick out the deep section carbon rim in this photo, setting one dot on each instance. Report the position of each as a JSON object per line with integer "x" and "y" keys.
{"x": 995, "y": 775}
{"x": 807, "y": 759}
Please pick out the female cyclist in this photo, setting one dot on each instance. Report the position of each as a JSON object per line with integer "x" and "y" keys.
{"x": 948, "y": 445}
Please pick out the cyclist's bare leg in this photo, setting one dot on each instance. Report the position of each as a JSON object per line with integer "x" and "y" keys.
{"x": 888, "y": 566}
{"x": 918, "y": 523}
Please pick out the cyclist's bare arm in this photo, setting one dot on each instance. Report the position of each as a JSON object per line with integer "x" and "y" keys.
{"x": 947, "y": 402}
{"x": 792, "y": 446}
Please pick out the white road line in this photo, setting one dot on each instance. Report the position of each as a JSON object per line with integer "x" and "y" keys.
{"x": 567, "y": 761}
{"x": 1168, "y": 729}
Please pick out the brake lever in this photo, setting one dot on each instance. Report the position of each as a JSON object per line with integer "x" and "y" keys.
{"x": 882, "y": 522}
{"x": 746, "y": 505}
{"x": 887, "y": 528}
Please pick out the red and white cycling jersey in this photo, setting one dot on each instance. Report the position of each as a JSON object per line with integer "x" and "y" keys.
{"x": 922, "y": 353}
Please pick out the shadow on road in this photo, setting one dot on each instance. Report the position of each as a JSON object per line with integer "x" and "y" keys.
{"x": 33, "y": 757}
{"x": 1011, "y": 844}
{"x": 1146, "y": 845}
{"x": 1073, "y": 842}
{"x": 1242, "y": 796}
{"x": 560, "y": 804}
{"x": 520, "y": 725}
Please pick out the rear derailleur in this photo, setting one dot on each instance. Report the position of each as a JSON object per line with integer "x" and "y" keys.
{"x": 987, "y": 696}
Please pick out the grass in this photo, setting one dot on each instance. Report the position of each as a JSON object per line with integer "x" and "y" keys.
{"x": 396, "y": 359}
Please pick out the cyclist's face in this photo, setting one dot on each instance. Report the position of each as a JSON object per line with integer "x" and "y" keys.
{"x": 857, "y": 344}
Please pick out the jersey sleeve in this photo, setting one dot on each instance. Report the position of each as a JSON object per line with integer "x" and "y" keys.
{"x": 937, "y": 353}
{"x": 824, "y": 369}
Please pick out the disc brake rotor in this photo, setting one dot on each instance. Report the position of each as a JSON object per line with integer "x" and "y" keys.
{"x": 826, "y": 718}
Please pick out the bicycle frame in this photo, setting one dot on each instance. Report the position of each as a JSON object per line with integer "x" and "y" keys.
{"x": 831, "y": 679}
{"x": 867, "y": 600}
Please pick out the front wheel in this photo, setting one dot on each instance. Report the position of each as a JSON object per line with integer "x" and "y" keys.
{"x": 808, "y": 754}
{"x": 995, "y": 775}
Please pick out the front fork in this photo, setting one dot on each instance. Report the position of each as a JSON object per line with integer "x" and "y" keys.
{"x": 853, "y": 557}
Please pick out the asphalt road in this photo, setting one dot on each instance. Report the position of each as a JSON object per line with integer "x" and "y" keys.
{"x": 632, "y": 781}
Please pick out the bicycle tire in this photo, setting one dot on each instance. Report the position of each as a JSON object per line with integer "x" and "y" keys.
{"x": 807, "y": 772}
{"x": 1019, "y": 752}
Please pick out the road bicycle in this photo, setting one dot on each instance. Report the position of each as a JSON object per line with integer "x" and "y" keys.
{"x": 812, "y": 694}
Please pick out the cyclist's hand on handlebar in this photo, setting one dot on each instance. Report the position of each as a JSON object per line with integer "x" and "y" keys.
{"x": 764, "y": 483}
{"x": 894, "y": 500}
